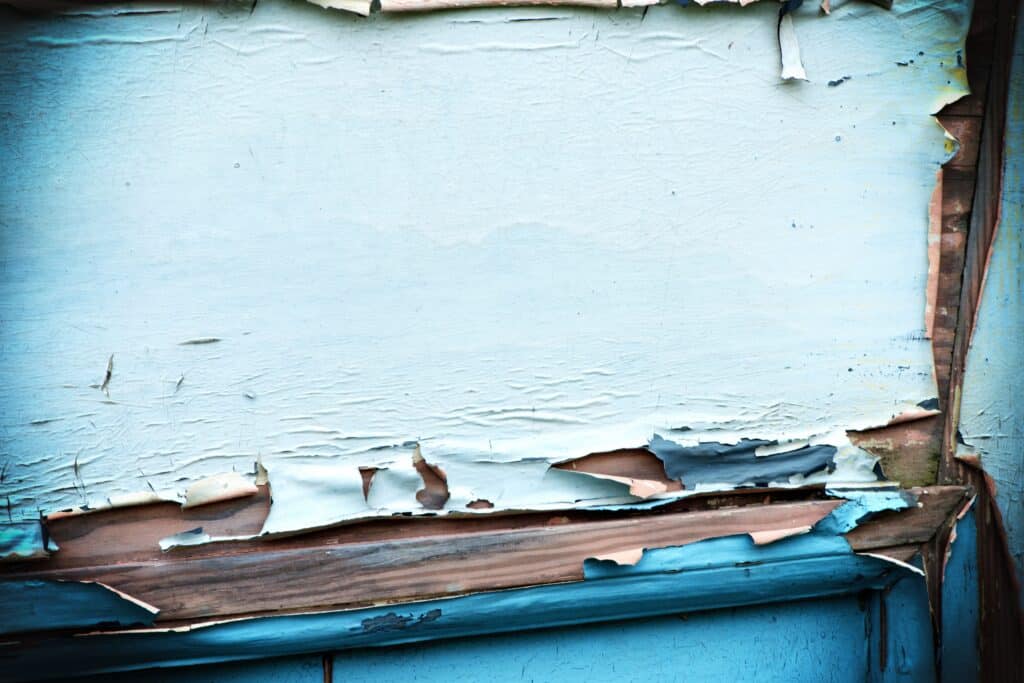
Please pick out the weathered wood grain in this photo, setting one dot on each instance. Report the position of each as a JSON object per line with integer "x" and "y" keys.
{"x": 376, "y": 571}
{"x": 936, "y": 505}
{"x": 908, "y": 452}
{"x": 402, "y": 560}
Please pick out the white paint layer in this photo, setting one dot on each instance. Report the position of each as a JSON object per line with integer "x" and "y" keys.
{"x": 511, "y": 241}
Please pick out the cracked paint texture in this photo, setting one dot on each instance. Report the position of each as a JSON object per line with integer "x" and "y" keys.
{"x": 507, "y": 237}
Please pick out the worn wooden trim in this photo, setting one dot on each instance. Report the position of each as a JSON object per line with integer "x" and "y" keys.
{"x": 403, "y": 560}
{"x": 1001, "y": 621}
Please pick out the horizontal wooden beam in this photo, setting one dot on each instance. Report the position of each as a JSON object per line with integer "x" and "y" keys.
{"x": 400, "y": 560}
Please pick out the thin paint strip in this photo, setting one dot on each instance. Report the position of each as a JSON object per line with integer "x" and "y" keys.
{"x": 621, "y": 557}
{"x": 862, "y": 503}
{"x": 736, "y": 464}
{"x": 641, "y": 488}
{"x": 789, "y": 49}
{"x": 773, "y": 535}
{"x": 431, "y": 5}
{"x": 360, "y": 7}
{"x": 899, "y": 563}
{"x": 217, "y": 488}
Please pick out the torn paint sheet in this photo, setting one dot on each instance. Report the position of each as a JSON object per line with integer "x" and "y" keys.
{"x": 773, "y": 535}
{"x": 39, "y": 605}
{"x": 360, "y": 7}
{"x": 25, "y": 540}
{"x": 217, "y": 488}
{"x": 789, "y": 49}
{"x": 212, "y": 489}
{"x": 862, "y": 503}
{"x": 311, "y": 495}
{"x": 120, "y": 500}
{"x": 734, "y": 551}
{"x": 513, "y": 324}
{"x": 621, "y": 557}
{"x": 906, "y": 566}
{"x": 395, "y": 487}
{"x": 825, "y": 531}
{"x": 736, "y": 464}
{"x": 432, "y": 5}
{"x": 641, "y": 488}
{"x": 185, "y": 538}
{"x": 197, "y": 536}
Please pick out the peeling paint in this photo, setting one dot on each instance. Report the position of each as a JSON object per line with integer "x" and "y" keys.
{"x": 394, "y": 622}
{"x": 36, "y": 605}
{"x": 360, "y": 7}
{"x": 529, "y": 316}
{"x": 217, "y": 488}
{"x": 718, "y": 573}
{"x": 24, "y": 541}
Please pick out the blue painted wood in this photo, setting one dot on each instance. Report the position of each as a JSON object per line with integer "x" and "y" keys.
{"x": 712, "y": 574}
{"x": 38, "y": 605}
{"x": 307, "y": 669}
{"x": 821, "y": 641}
{"x": 960, "y": 606}
{"x": 906, "y": 634}
{"x": 816, "y": 641}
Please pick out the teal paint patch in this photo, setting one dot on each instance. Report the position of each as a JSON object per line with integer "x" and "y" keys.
{"x": 862, "y": 504}
{"x": 720, "y": 553}
{"x": 959, "y": 657}
{"x": 902, "y": 649}
{"x": 49, "y": 605}
{"x": 25, "y": 541}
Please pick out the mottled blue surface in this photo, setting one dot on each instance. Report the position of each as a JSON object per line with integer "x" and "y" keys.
{"x": 38, "y": 605}
{"x": 960, "y": 606}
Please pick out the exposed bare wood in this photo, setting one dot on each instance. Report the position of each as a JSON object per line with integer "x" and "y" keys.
{"x": 908, "y": 452}
{"x": 133, "y": 534}
{"x": 373, "y": 571}
{"x": 634, "y": 463}
{"x": 402, "y": 559}
{"x": 936, "y": 506}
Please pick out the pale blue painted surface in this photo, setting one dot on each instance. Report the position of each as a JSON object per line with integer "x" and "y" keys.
{"x": 992, "y": 409}
{"x": 960, "y": 606}
{"x": 510, "y": 241}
